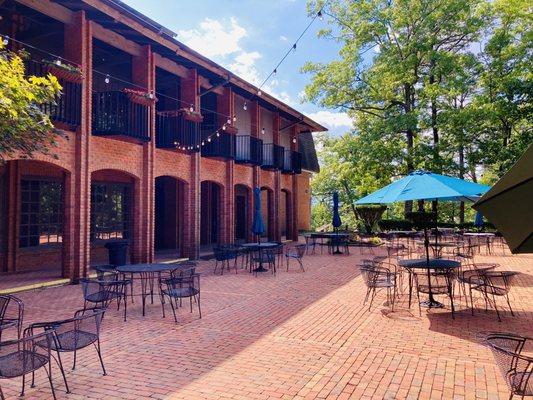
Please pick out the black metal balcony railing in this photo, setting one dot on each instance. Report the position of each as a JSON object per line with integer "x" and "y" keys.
{"x": 292, "y": 162}
{"x": 248, "y": 150}
{"x": 272, "y": 156}
{"x": 221, "y": 145}
{"x": 176, "y": 131}
{"x": 114, "y": 114}
{"x": 67, "y": 107}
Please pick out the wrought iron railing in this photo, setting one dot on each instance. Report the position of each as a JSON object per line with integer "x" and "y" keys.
{"x": 272, "y": 156}
{"x": 248, "y": 150}
{"x": 175, "y": 131}
{"x": 67, "y": 106}
{"x": 114, "y": 114}
{"x": 219, "y": 145}
{"x": 292, "y": 162}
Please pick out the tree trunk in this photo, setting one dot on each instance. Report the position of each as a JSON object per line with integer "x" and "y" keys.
{"x": 410, "y": 135}
{"x": 461, "y": 175}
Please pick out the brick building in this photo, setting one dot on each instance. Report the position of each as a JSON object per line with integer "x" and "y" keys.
{"x": 162, "y": 146}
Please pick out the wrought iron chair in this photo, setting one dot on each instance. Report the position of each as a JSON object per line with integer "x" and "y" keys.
{"x": 11, "y": 316}
{"x": 71, "y": 335}
{"x": 376, "y": 278}
{"x": 492, "y": 284}
{"x": 516, "y": 368}
{"x": 26, "y": 355}
{"x": 224, "y": 255}
{"x": 297, "y": 253}
{"x": 466, "y": 274}
{"x": 264, "y": 256}
{"x": 180, "y": 288}
{"x": 102, "y": 292}
{"x": 439, "y": 282}
{"x": 336, "y": 242}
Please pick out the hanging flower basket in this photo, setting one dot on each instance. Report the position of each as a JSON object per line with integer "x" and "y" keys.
{"x": 66, "y": 72}
{"x": 193, "y": 116}
{"x": 139, "y": 97}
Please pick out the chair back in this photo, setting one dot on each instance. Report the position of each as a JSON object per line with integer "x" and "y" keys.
{"x": 22, "y": 356}
{"x": 300, "y": 250}
{"x": 192, "y": 282}
{"x": 517, "y": 369}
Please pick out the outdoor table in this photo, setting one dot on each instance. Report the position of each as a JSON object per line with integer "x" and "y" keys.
{"x": 439, "y": 246}
{"x": 331, "y": 235}
{"x": 260, "y": 247}
{"x": 147, "y": 274}
{"x": 434, "y": 263}
{"x": 480, "y": 235}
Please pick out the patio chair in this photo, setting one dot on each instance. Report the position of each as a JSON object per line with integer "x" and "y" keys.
{"x": 466, "y": 274}
{"x": 179, "y": 288}
{"x": 311, "y": 243}
{"x": 439, "y": 282}
{"x": 377, "y": 278}
{"x": 102, "y": 292}
{"x": 23, "y": 356}
{"x": 11, "y": 313}
{"x": 71, "y": 335}
{"x": 516, "y": 368}
{"x": 264, "y": 256}
{"x": 492, "y": 284}
{"x": 224, "y": 255}
{"x": 336, "y": 242}
{"x": 297, "y": 253}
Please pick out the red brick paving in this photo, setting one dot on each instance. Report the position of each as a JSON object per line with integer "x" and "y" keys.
{"x": 290, "y": 336}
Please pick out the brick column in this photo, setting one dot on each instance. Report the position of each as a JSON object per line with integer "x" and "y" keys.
{"x": 143, "y": 71}
{"x": 294, "y": 178}
{"x": 277, "y": 183}
{"x": 191, "y": 235}
{"x": 12, "y": 214}
{"x": 76, "y": 240}
{"x": 255, "y": 123}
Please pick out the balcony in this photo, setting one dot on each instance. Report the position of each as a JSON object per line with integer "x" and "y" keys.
{"x": 272, "y": 156}
{"x": 221, "y": 145}
{"x": 248, "y": 150}
{"x": 114, "y": 114}
{"x": 292, "y": 162}
{"x": 173, "y": 131}
{"x": 67, "y": 107}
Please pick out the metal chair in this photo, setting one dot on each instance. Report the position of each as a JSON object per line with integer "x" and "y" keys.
{"x": 377, "y": 278}
{"x": 71, "y": 335}
{"x": 297, "y": 253}
{"x": 224, "y": 255}
{"x": 264, "y": 256}
{"x": 11, "y": 317}
{"x": 492, "y": 284}
{"x": 179, "y": 288}
{"x": 516, "y": 368}
{"x": 26, "y": 355}
{"x": 439, "y": 282}
{"x": 102, "y": 292}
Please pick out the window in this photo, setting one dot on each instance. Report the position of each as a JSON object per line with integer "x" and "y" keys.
{"x": 110, "y": 214}
{"x": 41, "y": 212}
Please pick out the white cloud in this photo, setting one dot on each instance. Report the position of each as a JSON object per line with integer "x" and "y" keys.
{"x": 213, "y": 38}
{"x": 283, "y": 38}
{"x": 331, "y": 120}
{"x": 243, "y": 65}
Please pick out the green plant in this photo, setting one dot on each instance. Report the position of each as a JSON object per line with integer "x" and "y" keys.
{"x": 370, "y": 215}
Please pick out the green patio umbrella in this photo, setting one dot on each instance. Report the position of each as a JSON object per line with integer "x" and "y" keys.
{"x": 509, "y": 205}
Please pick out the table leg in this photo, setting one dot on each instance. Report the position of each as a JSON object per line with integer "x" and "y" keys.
{"x": 260, "y": 268}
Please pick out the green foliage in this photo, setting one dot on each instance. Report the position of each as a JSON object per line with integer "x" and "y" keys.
{"x": 440, "y": 85}
{"x": 370, "y": 216}
{"x": 24, "y": 128}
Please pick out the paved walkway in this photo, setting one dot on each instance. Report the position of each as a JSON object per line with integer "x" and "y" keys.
{"x": 290, "y": 336}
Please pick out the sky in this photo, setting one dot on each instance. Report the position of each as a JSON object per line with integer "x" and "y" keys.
{"x": 249, "y": 37}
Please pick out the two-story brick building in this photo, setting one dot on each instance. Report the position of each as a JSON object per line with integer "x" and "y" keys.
{"x": 162, "y": 146}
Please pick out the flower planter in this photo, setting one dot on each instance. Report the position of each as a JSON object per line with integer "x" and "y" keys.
{"x": 65, "y": 74}
{"x": 194, "y": 117}
{"x": 142, "y": 98}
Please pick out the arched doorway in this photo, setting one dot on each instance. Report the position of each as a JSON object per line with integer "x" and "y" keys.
{"x": 211, "y": 211}
{"x": 34, "y": 210}
{"x": 267, "y": 211}
{"x": 285, "y": 214}
{"x": 169, "y": 215}
{"x": 243, "y": 213}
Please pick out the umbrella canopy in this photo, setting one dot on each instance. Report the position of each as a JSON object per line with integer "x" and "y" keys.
{"x": 336, "y": 217}
{"x": 508, "y": 205}
{"x": 423, "y": 185}
{"x": 479, "y": 219}
{"x": 258, "y": 226}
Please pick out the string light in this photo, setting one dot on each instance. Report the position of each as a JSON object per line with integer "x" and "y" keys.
{"x": 106, "y": 80}
{"x": 218, "y": 134}
{"x": 275, "y": 71}
{"x": 245, "y": 106}
{"x": 262, "y": 131}
{"x": 228, "y": 120}
{"x": 5, "y": 41}
{"x": 223, "y": 128}
{"x": 320, "y": 15}
{"x": 191, "y": 108}
{"x": 58, "y": 62}
{"x": 259, "y": 92}
{"x": 294, "y": 47}
{"x": 294, "y": 140}
{"x": 234, "y": 118}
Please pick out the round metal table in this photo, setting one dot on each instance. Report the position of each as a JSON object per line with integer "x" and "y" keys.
{"x": 434, "y": 263}
{"x": 260, "y": 247}
{"x": 330, "y": 235}
{"x": 147, "y": 274}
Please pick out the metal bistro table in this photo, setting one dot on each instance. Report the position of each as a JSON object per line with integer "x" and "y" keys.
{"x": 480, "y": 235}
{"x": 260, "y": 247}
{"x": 422, "y": 263}
{"x": 147, "y": 274}
{"x": 331, "y": 235}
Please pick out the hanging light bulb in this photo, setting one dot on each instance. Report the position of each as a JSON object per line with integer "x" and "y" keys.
{"x": 228, "y": 120}
{"x": 234, "y": 118}
{"x": 294, "y": 140}
{"x": 259, "y": 92}
{"x": 106, "y": 80}
{"x": 58, "y": 62}
{"x": 191, "y": 108}
{"x": 218, "y": 134}
{"x": 176, "y": 143}
{"x": 262, "y": 131}
{"x": 223, "y": 128}
{"x": 245, "y": 106}
{"x": 294, "y": 47}
{"x": 203, "y": 143}
{"x": 5, "y": 41}
{"x": 319, "y": 14}
{"x": 275, "y": 71}
{"x": 209, "y": 139}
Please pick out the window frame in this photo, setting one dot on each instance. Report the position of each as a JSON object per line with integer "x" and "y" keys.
{"x": 127, "y": 217}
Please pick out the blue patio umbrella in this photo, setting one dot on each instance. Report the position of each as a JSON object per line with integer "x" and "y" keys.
{"x": 479, "y": 219}
{"x": 258, "y": 226}
{"x": 336, "y": 217}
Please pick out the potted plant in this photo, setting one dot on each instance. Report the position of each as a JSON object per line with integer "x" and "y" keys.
{"x": 147, "y": 99}
{"x": 65, "y": 71}
{"x": 192, "y": 115}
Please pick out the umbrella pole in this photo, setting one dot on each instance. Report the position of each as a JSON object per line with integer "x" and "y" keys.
{"x": 431, "y": 302}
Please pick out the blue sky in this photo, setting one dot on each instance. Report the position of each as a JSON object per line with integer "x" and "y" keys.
{"x": 249, "y": 37}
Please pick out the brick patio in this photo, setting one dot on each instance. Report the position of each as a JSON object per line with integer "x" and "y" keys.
{"x": 291, "y": 336}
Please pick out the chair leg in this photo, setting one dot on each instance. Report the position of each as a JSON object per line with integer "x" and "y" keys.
{"x": 199, "y": 309}
{"x": 49, "y": 373}
{"x": 23, "y": 385}
{"x": 301, "y": 265}
{"x": 60, "y": 364}
{"x": 190, "y": 301}
{"x": 216, "y": 265}
{"x": 99, "y": 351}
{"x": 2, "y": 394}
{"x": 173, "y": 311}
{"x": 509, "y": 304}
{"x": 471, "y": 300}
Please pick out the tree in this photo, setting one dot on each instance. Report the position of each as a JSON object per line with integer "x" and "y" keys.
{"x": 24, "y": 128}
